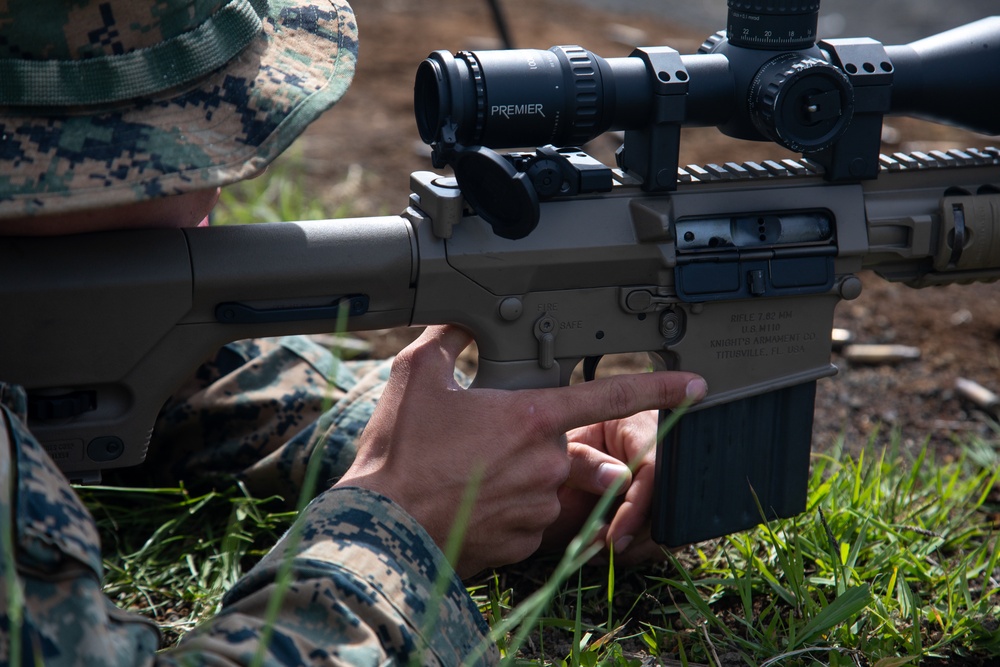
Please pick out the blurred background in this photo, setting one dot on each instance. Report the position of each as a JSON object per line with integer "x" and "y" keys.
{"x": 889, "y": 21}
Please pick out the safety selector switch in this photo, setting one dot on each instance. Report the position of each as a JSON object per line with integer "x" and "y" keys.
{"x": 546, "y": 328}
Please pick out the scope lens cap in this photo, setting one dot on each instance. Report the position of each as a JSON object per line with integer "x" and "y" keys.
{"x": 497, "y": 191}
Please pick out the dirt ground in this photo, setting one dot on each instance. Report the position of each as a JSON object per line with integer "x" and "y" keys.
{"x": 363, "y": 151}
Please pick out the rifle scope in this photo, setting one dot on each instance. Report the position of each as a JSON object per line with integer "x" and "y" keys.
{"x": 764, "y": 79}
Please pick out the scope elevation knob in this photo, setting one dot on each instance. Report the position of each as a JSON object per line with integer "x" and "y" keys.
{"x": 805, "y": 104}
{"x": 773, "y": 25}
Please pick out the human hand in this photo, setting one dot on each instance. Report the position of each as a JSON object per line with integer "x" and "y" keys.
{"x": 601, "y": 454}
{"x": 428, "y": 437}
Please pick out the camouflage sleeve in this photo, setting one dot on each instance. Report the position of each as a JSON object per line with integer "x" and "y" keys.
{"x": 256, "y": 411}
{"x": 367, "y": 586}
{"x": 52, "y": 608}
{"x": 364, "y": 574}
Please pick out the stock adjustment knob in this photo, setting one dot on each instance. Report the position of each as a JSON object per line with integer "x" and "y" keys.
{"x": 803, "y": 103}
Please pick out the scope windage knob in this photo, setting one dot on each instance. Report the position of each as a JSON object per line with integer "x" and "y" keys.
{"x": 803, "y": 103}
{"x": 773, "y": 25}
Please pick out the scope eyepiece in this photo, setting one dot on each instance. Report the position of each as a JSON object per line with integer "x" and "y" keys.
{"x": 773, "y": 25}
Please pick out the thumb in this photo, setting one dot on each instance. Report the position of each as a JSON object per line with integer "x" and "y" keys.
{"x": 433, "y": 355}
{"x": 452, "y": 340}
{"x": 594, "y": 471}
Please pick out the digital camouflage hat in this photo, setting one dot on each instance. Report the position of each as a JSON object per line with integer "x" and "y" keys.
{"x": 115, "y": 101}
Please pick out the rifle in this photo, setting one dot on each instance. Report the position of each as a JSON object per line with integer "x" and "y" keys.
{"x": 550, "y": 257}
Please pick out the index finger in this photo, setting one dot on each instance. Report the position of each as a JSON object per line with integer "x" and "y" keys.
{"x": 625, "y": 395}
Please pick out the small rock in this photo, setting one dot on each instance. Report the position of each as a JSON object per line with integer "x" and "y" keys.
{"x": 880, "y": 354}
{"x": 977, "y": 393}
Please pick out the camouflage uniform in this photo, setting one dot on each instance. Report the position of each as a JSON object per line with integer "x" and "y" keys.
{"x": 364, "y": 571}
{"x": 110, "y": 102}
{"x": 256, "y": 412}
{"x": 292, "y": 60}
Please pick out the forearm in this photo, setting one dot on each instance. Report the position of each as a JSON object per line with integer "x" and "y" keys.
{"x": 361, "y": 588}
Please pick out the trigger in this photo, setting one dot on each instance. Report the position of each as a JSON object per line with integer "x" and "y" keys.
{"x": 590, "y": 367}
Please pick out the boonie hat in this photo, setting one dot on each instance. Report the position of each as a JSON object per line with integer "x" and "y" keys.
{"x": 116, "y": 101}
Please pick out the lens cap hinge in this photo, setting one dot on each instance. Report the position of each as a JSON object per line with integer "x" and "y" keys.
{"x": 497, "y": 191}
{"x": 505, "y": 189}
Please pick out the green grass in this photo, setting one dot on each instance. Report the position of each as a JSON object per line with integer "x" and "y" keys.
{"x": 171, "y": 555}
{"x": 277, "y": 195}
{"x": 894, "y": 560}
